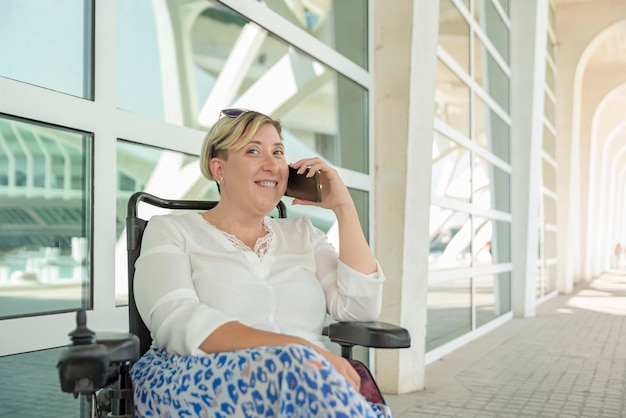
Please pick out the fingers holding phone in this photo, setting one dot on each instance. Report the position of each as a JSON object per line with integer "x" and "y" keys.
{"x": 305, "y": 185}
{"x": 324, "y": 179}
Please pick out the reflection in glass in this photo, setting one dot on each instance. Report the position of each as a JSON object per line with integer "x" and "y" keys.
{"x": 452, "y": 100}
{"x": 490, "y": 76}
{"x": 506, "y": 7}
{"x": 449, "y": 312}
{"x": 491, "y": 131}
{"x": 493, "y": 26}
{"x": 454, "y": 33}
{"x": 361, "y": 201}
{"x": 491, "y": 186}
{"x": 450, "y": 238}
{"x": 451, "y": 175}
{"x": 492, "y": 297}
{"x": 492, "y": 241}
{"x": 35, "y": 33}
{"x": 340, "y": 24}
{"x": 175, "y": 175}
{"x": 45, "y": 241}
{"x": 30, "y": 387}
{"x": 229, "y": 61}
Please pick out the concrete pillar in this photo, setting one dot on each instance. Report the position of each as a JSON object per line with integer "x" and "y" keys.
{"x": 405, "y": 50}
{"x": 528, "y": 65}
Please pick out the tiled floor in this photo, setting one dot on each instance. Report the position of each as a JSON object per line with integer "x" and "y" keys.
{"x": 567, "y": 361}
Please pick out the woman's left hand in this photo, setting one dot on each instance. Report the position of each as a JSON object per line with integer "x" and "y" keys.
{"x": 335, "y": 194}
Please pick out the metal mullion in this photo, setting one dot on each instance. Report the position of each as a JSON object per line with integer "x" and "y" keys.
{"x": 502, "y": 13}
{"x": 445, "y": 130}
{"x": 447, "y": 59}
{"x": 284, "y": 29}
{"x": 549, "y": 125}
{"x": 547, "y": 192}
{"x": 548, "y": 158}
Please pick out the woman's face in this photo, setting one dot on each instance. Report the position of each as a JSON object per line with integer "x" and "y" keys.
{"x": 256, "y": 175}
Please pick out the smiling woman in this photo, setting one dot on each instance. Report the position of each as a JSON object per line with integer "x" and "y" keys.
{"x": 234, "y": 294}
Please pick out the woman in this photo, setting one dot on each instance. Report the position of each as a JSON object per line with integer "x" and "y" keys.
{"x": 236, "y": 300}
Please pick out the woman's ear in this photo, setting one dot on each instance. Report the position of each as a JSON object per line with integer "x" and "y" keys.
{"x": 217, "y": 169}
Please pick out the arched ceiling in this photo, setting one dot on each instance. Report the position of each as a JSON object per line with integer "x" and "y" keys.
{"x": 601, "y": 125}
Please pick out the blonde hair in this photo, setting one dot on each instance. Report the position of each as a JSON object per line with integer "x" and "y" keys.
{"x": 231, "y": 133}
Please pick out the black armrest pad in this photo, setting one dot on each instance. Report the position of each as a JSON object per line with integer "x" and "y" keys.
{"x": 368, "y": 334}
{"x": 120, "y": 346}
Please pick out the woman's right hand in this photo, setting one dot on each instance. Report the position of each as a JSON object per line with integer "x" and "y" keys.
{"x": 343, "y": 366}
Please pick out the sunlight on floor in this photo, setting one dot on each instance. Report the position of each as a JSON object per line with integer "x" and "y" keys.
{"x": 607, "y": 294}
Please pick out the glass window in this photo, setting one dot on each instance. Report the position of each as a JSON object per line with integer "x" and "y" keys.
{"x": 549, "y": 249}
{"x": 492, "y": 297}
{"x": 492, "y": 241}
{"x": 491, "y": 186}
{"x": 46, "y": 400}
{"x": 35, "y": 33}
{"x": 506, "y": 7}
{"x": 491, "y": 131}
{"x": 232, "y": 62}
{"x": 551, "y": 282}
{"x": 549, "y": 210}
{"x": 45, "y": 241}
{"x": 451, "y": 174}
{"x": 490, "y": 76}
{"x": 454, "y": 33}
{"x": 550, "y": 77}
{"x": 549, "y": 175}
{"x": 452, "y": 100}
{"x": 450, "y": 238}
{"x": 361, "y": 201}
{"x": 494, "y": 27}
{"x": 449, "y": 312}
{"x": 340, "y": 24}
{"x": 548, "y": 142}
{"x": 548, "y": 108}
{"x": 175, "y": 175}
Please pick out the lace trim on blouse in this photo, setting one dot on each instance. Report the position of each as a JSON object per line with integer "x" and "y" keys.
{"x": 261, "y": 246}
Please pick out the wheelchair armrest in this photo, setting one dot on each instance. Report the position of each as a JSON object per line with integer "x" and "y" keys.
{"x": 121, "y": 346}
{"x": 368, "y": 334}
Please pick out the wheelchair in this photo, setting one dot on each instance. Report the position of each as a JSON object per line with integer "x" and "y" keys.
{"x": 96, "y": 365}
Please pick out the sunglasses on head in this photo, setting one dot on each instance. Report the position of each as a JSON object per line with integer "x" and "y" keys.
{"x": 233, "y": 113}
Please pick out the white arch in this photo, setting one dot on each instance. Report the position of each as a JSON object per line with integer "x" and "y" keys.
{"x": 574, "y": 181}
{"x": 604, "y": 244}
{"x": 595, "y": 235}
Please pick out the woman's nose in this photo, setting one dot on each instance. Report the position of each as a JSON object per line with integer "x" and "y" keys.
{"x": 271, "y": 163}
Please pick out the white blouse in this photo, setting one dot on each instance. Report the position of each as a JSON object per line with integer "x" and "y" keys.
{"x": 190, "y": 279}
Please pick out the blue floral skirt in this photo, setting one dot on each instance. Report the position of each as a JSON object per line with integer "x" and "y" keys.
{"x": 273, "y": 381}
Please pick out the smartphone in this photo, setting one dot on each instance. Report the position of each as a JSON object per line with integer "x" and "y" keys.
{"x": 303, "y": 187}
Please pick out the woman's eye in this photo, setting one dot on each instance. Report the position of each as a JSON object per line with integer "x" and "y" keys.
{"x": 279, "y": 152}
{"x": 253, "y": 151}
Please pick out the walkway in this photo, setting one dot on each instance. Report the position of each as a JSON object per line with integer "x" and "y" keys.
{"x": 568, "y": 361}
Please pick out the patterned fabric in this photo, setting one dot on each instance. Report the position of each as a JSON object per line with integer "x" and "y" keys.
{"x": 273, "y": 381}
{"x": 262, "y": 244}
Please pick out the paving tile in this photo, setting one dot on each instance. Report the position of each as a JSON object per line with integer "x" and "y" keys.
{"x": 551, "y": 365}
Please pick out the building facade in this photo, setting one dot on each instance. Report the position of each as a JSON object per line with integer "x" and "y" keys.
{"x": 482, "y": 141}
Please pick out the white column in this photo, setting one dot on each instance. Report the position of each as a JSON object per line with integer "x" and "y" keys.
{"x": 405, "y": 71}
{"x": 528, "y": 62}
